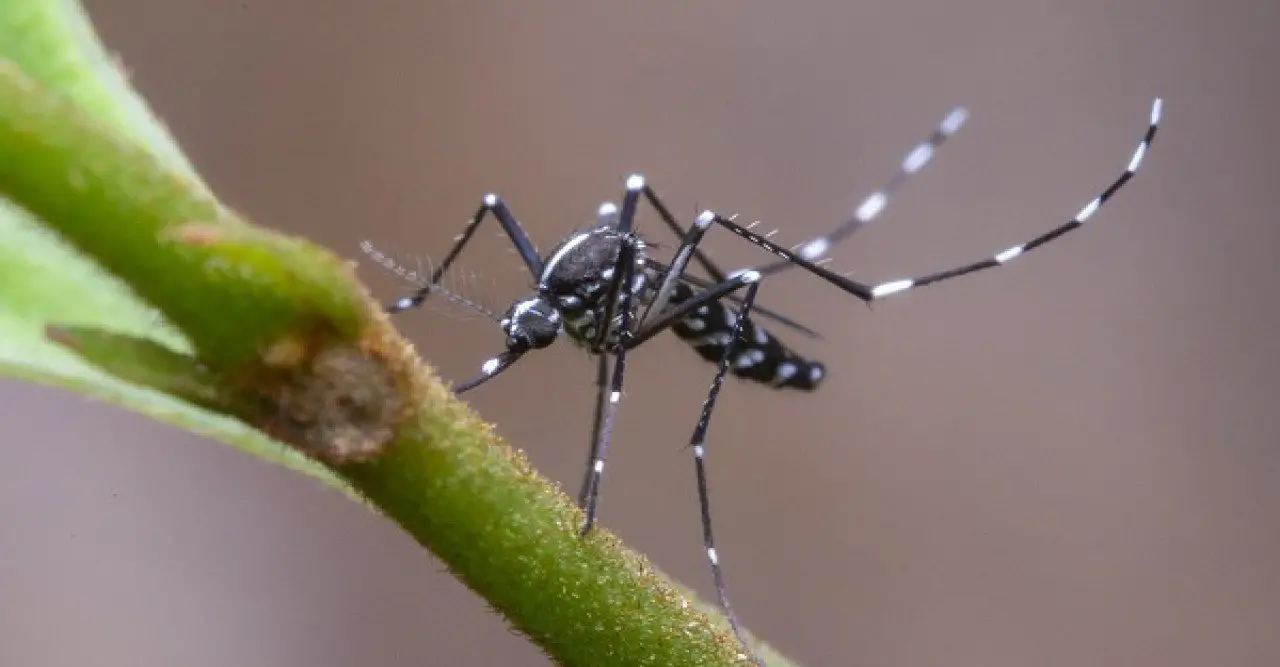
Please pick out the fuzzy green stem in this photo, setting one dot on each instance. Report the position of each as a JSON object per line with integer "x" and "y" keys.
{"x": 512, "y": 538}
{"x": 81, "y": 153}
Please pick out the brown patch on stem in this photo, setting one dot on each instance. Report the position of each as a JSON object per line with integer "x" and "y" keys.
{"x": 339, "y": 405}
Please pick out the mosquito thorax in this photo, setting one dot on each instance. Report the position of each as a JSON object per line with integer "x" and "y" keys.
{"x": 578, "y": 272}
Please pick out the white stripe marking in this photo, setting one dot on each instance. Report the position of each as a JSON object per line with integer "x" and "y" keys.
{"x": 891, "y": 288}
{"x": 951, "y": 124}
{"x": 1088, "y": 211}
{"x": 1009, "y": 254}
{"x": 917, "y": 158}
{"x": 522, "y": 308}
{"x": 871, "y": 206}
{"x": 564, "y": 250}
{"x": 1137, "y": 157}
{"x": 814, "y": 249}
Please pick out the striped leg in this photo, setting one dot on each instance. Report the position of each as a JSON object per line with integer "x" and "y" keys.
{"x": 1004, "y": 256}
{"x": 698, "y": 443}
{"x": 609, "y": 214}
{"x": 869, "y": 293}
{"x": 693, "y": 281}
{"x": 875, "y": 203}
{"x": 490, "y": 204}
{"x": 602, "y": 393}
{"x": 625, "y": 268}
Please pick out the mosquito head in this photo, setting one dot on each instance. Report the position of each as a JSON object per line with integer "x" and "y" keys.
{"x": 530, "y": 324}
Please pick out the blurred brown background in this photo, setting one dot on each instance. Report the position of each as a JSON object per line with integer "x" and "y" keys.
{"x": 1070, "y": 461}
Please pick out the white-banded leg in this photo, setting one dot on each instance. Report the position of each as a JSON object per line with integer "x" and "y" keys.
{"x": 1008, "y": 254}
{"x": 874, "y": 204}
{"x": 760, "y": 311}
{"x": 602, "y": 397}
{"x": 625, "y": 271}
{"x": 717, "y": 275}
{"x": 868, "y": 292}
{"x": 698, "y": 443}
{"x": 491, "y": 203}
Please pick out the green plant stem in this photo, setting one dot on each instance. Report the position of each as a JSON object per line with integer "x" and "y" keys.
{"x": 88, "y": 161}
{"x": 512, "y": 538}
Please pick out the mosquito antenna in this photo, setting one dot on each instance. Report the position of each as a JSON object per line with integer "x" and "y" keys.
{"x": 418, "y": 278}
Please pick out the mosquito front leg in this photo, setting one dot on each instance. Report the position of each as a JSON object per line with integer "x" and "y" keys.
{"x": 489, "y": 204}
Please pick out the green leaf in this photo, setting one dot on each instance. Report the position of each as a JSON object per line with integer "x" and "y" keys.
{"x": 153, "y": 296}
{"x": 44, "y": 282}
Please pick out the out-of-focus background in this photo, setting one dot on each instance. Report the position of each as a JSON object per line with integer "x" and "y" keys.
{"x": 1073, "y": 460}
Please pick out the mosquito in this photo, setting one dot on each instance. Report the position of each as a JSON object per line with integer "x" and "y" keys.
{"x": 601, "y": 288}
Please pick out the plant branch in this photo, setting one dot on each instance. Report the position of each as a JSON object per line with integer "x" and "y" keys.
{"x": 275, "y": 333}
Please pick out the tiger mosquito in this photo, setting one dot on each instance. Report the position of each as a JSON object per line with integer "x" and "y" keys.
{"x": 600, "y": 287}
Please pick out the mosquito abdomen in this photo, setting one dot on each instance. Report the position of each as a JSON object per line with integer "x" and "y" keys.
{"x": 758, "y": 356}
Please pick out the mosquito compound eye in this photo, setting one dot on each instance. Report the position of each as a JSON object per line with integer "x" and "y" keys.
{"x": 541, "y": 330}
{"x": 531, "y": 324}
